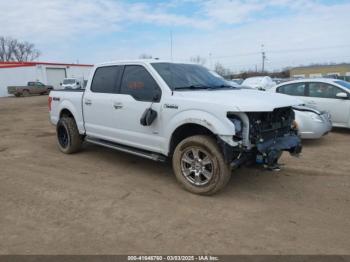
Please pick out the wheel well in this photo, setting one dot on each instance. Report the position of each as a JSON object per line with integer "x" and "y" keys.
{"x": 66, "y": 113}
{"x": 185, "y": 131}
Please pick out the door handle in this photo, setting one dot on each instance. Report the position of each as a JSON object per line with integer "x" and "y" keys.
{"x": 88, "y": 102}
{"x": 118, "y": 105}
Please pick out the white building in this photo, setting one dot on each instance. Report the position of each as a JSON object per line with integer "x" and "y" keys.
{"x": 19, "y": 73}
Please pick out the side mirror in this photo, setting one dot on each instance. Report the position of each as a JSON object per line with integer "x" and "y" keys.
{"x": 156, "y": 97}
{"x": 342, "y": 95}
{"x": 78, "y": 83}
{"x": 148, "y": 117}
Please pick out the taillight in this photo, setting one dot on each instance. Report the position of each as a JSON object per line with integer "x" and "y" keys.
{"x": 50, "y": 101}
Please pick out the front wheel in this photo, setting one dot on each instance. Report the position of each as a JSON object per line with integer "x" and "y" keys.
{"x": 68, "y": 138}
{"x": 199, "y": 165}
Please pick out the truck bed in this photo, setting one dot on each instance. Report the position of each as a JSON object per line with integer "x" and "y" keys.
{"x": 70, "y": 90}
{"x": 13, "y": 89}
{"x": 67, "y": 99}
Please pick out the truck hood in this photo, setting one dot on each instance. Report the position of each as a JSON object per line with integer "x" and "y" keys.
{"x": 244, "y": 100}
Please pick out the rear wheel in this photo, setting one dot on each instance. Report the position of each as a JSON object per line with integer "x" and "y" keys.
{"x": 25, "y": 93}
{"x": 199, "y": 165}
{"x": 68, "y": 138}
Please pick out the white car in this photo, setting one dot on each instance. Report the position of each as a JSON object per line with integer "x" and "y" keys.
{"x": 259, "y": 82}
{"x": 331, "y": 95}
{"x": 161, "y": 110}
{"x": 72, "y": 83}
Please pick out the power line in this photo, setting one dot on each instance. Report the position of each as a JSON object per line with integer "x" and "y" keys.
{"x": 252, "y": 66}
{"x": 280, "y": 51}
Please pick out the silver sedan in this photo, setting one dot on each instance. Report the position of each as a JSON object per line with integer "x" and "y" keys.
{"x": 312, "y": 124}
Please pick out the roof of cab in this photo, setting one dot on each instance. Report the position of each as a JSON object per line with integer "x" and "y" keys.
{"x": 141, "y": 61}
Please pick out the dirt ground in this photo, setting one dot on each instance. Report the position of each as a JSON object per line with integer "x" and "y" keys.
{"x": 103, "y": 201}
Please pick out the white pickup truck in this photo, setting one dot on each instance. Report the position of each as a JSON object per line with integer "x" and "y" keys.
{"x": 164, "y": 110}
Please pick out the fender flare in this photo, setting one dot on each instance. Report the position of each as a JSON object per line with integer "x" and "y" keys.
{"x": 66, "y": 105}
{"x": 198, "y": 117}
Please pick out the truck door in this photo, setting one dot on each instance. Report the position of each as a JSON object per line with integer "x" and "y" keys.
{"x": 138, "y": 92}
{"x": 98, "y": 101}
{"x": 323, "y": 97}
{"x": 31, "y": 87}
{"x": 39, "y": 88}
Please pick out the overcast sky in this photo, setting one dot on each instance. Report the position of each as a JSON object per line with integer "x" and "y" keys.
{"x": 231, "y": 32}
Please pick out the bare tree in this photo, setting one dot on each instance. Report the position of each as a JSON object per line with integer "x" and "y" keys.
{"x": 145, "y": 56}
{"x": 13, "y": 50}
{"x": 221, "y": 70}
{"x": 198, "y": 60}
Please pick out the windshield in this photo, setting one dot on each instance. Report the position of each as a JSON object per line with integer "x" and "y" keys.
{"x": 343, "y": 83}
{"x": 68, "y": 81}
{"x": 189, "y": 76}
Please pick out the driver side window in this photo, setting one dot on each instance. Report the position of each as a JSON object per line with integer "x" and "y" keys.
{"x": 138, "y": 83}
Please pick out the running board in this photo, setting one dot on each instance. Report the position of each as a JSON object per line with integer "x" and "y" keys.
{"x": 126, "y": 149}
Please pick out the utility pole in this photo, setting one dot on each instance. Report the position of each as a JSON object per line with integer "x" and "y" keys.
{"x": 210, "y": 62}
{"x": 171, "y": 45}
{"x": 263, "y": 55}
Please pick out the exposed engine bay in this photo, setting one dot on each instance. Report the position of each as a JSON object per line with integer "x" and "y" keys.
{"x": 270, "y": 133}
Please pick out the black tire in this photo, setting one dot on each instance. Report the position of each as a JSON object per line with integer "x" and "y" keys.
{"x": 17, "y": 95}
{"x": 219, "y": 170}
{"x": 25, "y": 93}
{"x": 68, "y": 138}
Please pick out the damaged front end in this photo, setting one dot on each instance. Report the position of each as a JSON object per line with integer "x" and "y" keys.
{"x": 262, "y": 137}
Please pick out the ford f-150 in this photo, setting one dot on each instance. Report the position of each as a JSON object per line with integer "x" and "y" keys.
{"x": 179, "y": 111}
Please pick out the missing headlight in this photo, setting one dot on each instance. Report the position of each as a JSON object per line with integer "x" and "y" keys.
{"x": 238, "y": 123}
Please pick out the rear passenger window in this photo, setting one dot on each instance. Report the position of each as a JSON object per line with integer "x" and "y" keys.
{"x": 106, "y": 79}
{"x": 297, "y": 89}
{"x": 138, "y": 83}
{"x": 323, "y": 90}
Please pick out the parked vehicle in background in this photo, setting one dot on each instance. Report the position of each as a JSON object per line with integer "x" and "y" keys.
{"x": 161, "y": 110}
{"x": 281, "y": 80}
{"x": 237, "y": 80}
{"x": 259, "y": 82}
{"x": 311, "y": 123}
{"x": 331, "y": 95}
{"x": 72, "y": 83}
{"x": 32, "y": 88}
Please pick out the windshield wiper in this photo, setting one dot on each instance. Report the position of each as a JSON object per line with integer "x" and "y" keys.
{"x": 192, "y": 87}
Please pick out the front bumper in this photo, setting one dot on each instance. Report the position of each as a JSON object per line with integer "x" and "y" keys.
{"x": 270, "y": 151}
{"x": 266, "y": 153}
{"x": 290, "y": 143}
